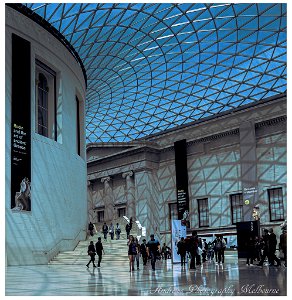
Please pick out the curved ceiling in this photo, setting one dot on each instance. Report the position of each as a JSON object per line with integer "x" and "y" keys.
{"x": 154, "y": 66}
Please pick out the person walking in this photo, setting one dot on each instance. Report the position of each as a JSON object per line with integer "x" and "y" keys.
{"x": 99, "y": 251}
{"x": 132, "y": 251}
{"x": 223, "y": 248}
{"x": 250, "y": 249}
{"x": 90, "y": 228}
{"x": 153, "y": 250}
{"x": 193, "y": 249}
{"x": 265, "y": 247}
{"x": 91, "y": 253}
{"x": 131, "y": 223}
{"x": 272, "y": 249}
{"x": 105, "y": 230}
{"x": 118, "y": 231}
{"x": 283, "y": 244}
{"x": 204, "y": 249}
{"x": 128, "y": 230}
{"x": 199, "y": 252}
{"x": 143, "y": 250}
{"x": 111, "y": 231}
{"x": 164, "y": 250}
{"x": 219, "y": 247}
{"x": 182, "y": 250}
{"x": 137, "y": 257}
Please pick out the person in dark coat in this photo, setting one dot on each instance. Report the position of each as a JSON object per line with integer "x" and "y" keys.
{"x": 182, "y": 250}
{"x": 283, "y": 244}
{"x": 91, "y": 253}
{"x": 250, "y": 249}
{"x": 272, "y": 249}
{"x": 131, "y": 223}
{"x": 90, "y": 228}
{"x": 265, "y": 247}
{"x": 128, "y": 230}
{"x": 99, "y": 251}
{"x": 193, "y": 248}
{"x": 143, "y": 250}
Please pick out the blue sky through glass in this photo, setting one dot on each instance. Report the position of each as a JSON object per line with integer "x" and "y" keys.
{"x": 155, "y": 66}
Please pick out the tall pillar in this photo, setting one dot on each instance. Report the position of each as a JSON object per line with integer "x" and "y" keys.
{"x": 90, "y": 205}
{"x": 147, "y": 204}
{"x": 248, "y": 161}
{"x": 108, "y": 199}
{"x": 130, "y": 194}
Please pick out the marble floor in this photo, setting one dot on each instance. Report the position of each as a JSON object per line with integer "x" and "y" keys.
{"x": 233, "y": 278}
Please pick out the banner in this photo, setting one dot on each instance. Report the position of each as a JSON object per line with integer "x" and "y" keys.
{"x": 20, "y": 125}
{"x": 177, "y": 232}
{"x": 181, "y": 171}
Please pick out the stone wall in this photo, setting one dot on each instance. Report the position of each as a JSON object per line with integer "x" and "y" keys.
{"x": 214, "y": 159}
{"x": 58, "y": 216}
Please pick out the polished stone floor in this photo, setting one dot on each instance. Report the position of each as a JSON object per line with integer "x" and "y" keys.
{"x": 233, "y": 278}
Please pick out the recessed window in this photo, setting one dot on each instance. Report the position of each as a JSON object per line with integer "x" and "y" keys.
{"x": 203, "y": 212}
{"x": 121, "y": 212}
{"x": 236, "y": 201}
{"x": 45, "y": 101}
{"x": 100, "y": 216}
{"x": 276, "y": 204}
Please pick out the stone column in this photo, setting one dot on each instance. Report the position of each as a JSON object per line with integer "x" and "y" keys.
{"x": 90, "y": 205}
{"x": 130, "y": 194}
{"x": 147, "y": 202}
{"x": 108, "y": 199}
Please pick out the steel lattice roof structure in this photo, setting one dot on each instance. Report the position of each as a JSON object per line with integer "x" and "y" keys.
{"x": 154, "y": 66}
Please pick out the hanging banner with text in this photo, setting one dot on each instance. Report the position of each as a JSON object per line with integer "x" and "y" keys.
{"x": 181, "y": 171}
{"x": 177, "y": 232}
{"x": 248, "y": 167}
{"x": 20, "y": 125}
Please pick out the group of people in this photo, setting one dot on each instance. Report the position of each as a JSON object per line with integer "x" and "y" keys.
{"x": 94, "y": 250}
{"x": 264, "y": 248}
{"x": 111, "y": 229}
{"x": 196, "y": 248}
{"x": 148, "y": 250}
{"x": 200, "y": 251}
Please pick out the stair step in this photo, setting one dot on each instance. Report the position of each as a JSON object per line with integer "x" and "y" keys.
{"x": 115, "y": 251}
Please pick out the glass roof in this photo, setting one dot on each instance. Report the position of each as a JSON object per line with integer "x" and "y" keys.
{"x": 154, "y": 66}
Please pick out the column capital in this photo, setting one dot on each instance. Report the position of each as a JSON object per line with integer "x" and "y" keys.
{"x": 105, "y": 179}
{"x": 127, "y": 174}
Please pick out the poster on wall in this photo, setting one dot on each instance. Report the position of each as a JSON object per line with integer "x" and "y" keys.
{"x": 20, "y": 125}
{"x": 177, "y": 232}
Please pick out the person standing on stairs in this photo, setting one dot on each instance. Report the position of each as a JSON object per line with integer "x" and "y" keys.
{"x": 128, "y": 229}
{"x": 90, "y": 228}
{"x": 91, "y": 253}
{"x": 99, "y": 251}
{"x": 112, "y": 231}
{"x": 118, "y": 231}
{"x": 105, "y": 230}
{"x": 131, "y": 223}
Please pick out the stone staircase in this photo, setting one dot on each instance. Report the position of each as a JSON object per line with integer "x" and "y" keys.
{"x": 115, "y": 250}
